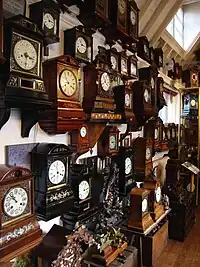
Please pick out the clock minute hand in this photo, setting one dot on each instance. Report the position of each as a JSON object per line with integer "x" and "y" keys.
{"x": 14, "y": 198}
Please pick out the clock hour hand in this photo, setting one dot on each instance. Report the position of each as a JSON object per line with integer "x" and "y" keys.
{"x": 13, "y": 198}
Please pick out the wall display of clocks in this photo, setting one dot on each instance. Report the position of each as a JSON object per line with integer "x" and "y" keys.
{"x": 46, "y": 15}
{"x": 143, "y": 48}
{"x": 124, "y": 160}
{"x": 156, "y": 207}
{"x": 79, "y": 44}
{"x": 99, "y": 81}
{"x": 22, "y": 82}
{"x": 19, "y": 229}
{"x": 53, "y": 194}
{"x": 94, "y": 13}
{"x": 61, "y": 76}
{"x": 158, "y": 135}
{"x": 140, "y": 218}
{"x": 132, "y": 67}
{"x": 108, "y": 143}
{"x": 159, "y": 57}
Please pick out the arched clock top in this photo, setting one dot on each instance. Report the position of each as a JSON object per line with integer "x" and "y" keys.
{"x": 66, "y": 59}
{"x": 12, "y": 173}
{"x": 51, "y": 148}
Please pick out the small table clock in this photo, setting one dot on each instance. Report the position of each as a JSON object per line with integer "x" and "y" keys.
{"x": 19, "y": 229}
{"x": 156, "y": 207}
{"x": 140, "y": 218}
{"x": 50, "y": 165}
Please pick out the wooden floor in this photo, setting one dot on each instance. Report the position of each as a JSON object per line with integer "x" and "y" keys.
{"x": 183, "y": 254}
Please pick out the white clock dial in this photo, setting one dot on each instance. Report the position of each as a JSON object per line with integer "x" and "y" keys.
{"x": 163, "y": 135}
{"x": 158, "y": 194}
{"x": 127, "y": 100}
{"x": 83, "y": 131}
{"x": 81, "y": 45}
{"x": 128, "y": 166}
{"x": 112, "y": 142}
{"x": 156, "y": 134}
{"x": 168, "y": 134}
{"x": 173, "y": 133}
{"x": 84, "y": 190}
{"x": 146, "y": 95}
{"x": 68, "y": 82}
{"x": 133, "y": 69}
{"x": 15, "y": 202}
{"x": 152, "y": 83}
{"x": 49, "y": 21}
{"x": 105, "y": 81}
{"x": 124, "y": 65}
{"x": 56, "y": 172}
{"x": 193, "y": 103}
{"x": 113, "y": 62}
{"x": 133, "y": 17}
{"x": 148, "y": 153}
{"x": 25, "y": 54}
{"x": 121, "y": 6}
{"x": 144, "y": 205}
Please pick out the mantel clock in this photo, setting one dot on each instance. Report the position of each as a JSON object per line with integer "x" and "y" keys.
{"x": 143, "y": 48}
{"x": 61, "y": 76}
{"x": 19, "y": 229}
{"x": 50, "y": 165}
{"x": 99, "y": 80}
{"x": 80, "y": 139}
{"x": 140, "y": 218}
{"x": 156, "y": 207}
{"x": 46, "y": 15}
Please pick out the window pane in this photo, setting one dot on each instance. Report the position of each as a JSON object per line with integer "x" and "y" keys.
{"x": 170, "y": 27}
{"x": 179, "y": 14}
{"x": 178, "y": 24}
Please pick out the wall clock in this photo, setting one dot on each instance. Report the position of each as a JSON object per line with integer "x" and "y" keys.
{"x": 99, "y": 81}
{"x": 191, "y": 78}
{"x": 156, "y": 207}
{"x": 160, "y": 94}
{"x": 46, "y": 15}
{"x": 114, "y": 58}
{"x": 108, "y": 143}
{"x": 158, "y": 135}
{"x": 124, "y": 66}
{"x": 159, "y": 57}
{"x": 61, "y": 76}
{"x": 133, "y": 19}
{"x": 190, "y": 104}
{"x": 132, "y": 67}
{"x": 19, "y": 229}
{"x": 124, "y": 160}
{"x": 78, "y": 42}
{"x": 143, "y": 48}
{"x": 171, "y": 69}
{"x": 50, "y": 164}
{"x": 140, "y": 218}
{"x": 94, "y": 13}
{"x": 164, "y": 138}
{"x": 80, "y": 139}
{"x": 152, "y": 56}
{"x": 22, "y": 81}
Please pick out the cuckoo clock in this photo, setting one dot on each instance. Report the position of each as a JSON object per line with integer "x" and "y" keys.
{"x": 1, "y": 32}
{"x": 22, "y": 83}
{"x": 19, "y": 229}
{"x": 94, "y": 13}
{"x": 140, "y": 218}
{"x": 50, "y": 165}
{"x": 160, "y": 94}
{"x": 114, "y": 58}
{"x": 156, "y": 207}
{"x": 78, "y": 42}
{"x": 143, "y": 148}
{"x": 99, "y": 80}
{"x": 159, "y": 57}
{"x": 61, "y": 76}
{"x": 158, "y": 134}
{"x": 108, "y": 143}
{"x": 124, "y": 160}
{"x": 46, "y": 15}
{"x": 143, "y": 48}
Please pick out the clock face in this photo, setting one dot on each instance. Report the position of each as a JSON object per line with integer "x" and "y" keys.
{"x": 112, "y": 142}
{"x": 146, "y": 51}
{"x": 133, "y": 69}
{"x": 163, "y": 135}
{"x": 146, "y": 96}
{"x": 105, "y": 81}
{"x": 113, "y": 62}
{"x": 158, "y": 194}
{"x": 128, "y": 166}
{"x": 156, "y": 134}
{"x": 127, "y": 100}
{"x": 25, "y": 55}
{"x": 148, "y": 153}
{"x": 144, "y": 205}
{"x": 81, "y": 45}
{"x": 15, "y": 202}
{"x": 49, "y": 21}
{"x": 83, "y": 132}
{"x": 133, "y": 17}
{"x": 68, "y": 82}
{"x": 152, "y": 83}
{"x": 168, "y": 134}
{"x": 56, "y": 172}
{"x": 84, "y": 190}
{"x": 122, "y": 6}
{"x": 124, "y": 65}
{"x": 193, "y": 103}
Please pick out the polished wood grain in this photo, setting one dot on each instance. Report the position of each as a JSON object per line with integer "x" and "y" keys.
{"x": 186, "y": 254}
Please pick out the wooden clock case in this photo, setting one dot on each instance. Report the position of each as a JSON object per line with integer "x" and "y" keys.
{"x": 1, "y": 33}
{"x": 160, "y": 94}
{"x": 159, "y": 57}
{"x": 156, "y": 208}
{"x": 21, "y": 234}
{"x": 158, "y": 135}
{"x": 164, "y": 138}
{"x": 191, "y": 78}
{"x": 66, "y": 112}
{"x": 138, "y": 219}
{"x": 143, "y": 48}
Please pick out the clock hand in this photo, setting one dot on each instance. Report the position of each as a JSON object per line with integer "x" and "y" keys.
{"x": 13, "y": 198}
